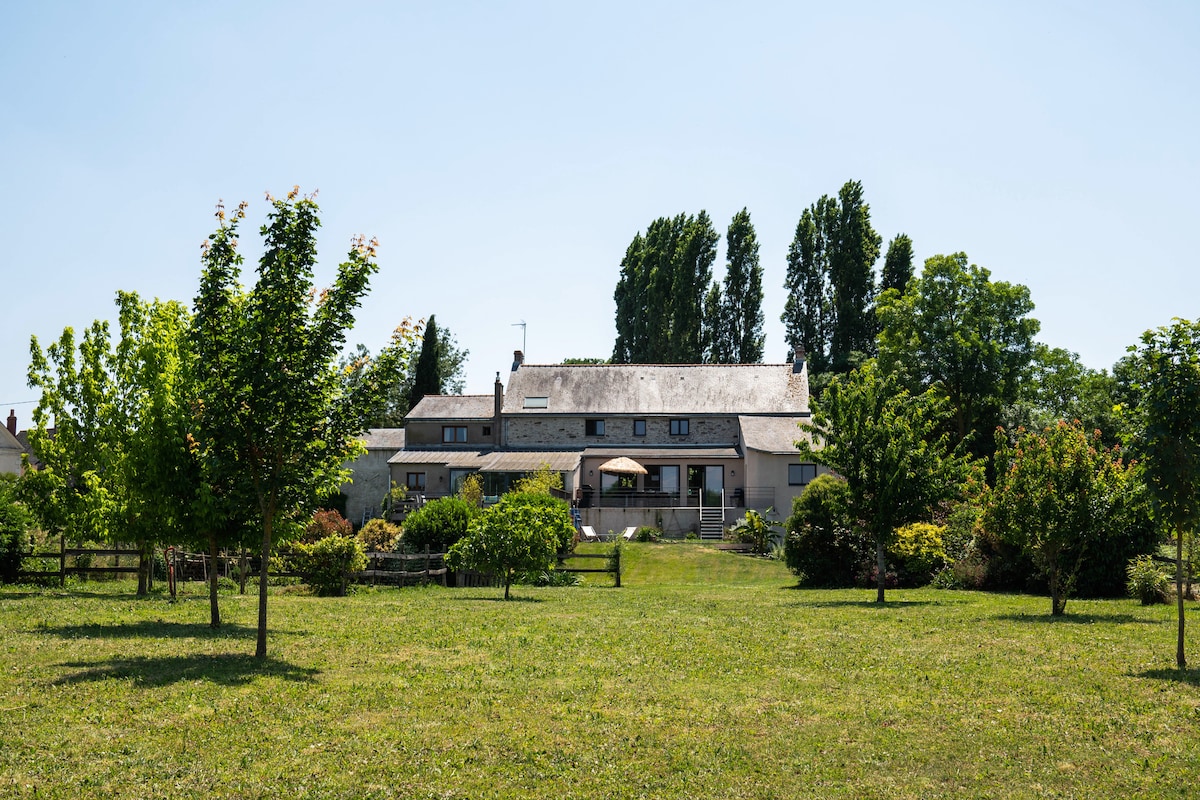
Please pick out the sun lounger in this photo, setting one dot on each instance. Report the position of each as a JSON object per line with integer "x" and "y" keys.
{"x": 588, "y": 533}
{"x": 628, "y": 533}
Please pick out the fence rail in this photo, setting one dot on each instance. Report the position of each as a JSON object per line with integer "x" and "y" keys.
{"x": 612, "y": 565}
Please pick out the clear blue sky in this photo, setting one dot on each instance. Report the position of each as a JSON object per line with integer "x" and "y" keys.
{"x": 505, "y": 153}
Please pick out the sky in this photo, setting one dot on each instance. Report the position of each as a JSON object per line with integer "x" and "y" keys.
{"x": 505, "y": 154}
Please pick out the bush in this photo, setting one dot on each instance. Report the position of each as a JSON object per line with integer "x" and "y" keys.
{"x": 1147, "y": 582}
{"x": 917, "y": 553}
{"x": 328, "y": 564}
{"x": 379, "y": 534}
{"x": 326, "y": 523}
{"x": 756, "y": 530}
{"x": 16, "y": 522}
{"x": 438, "y": 524}
{"x": 822, "y": 546}
{"x": 648, "y": 534}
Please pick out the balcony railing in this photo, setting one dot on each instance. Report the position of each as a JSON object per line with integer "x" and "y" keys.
{"x": 633, "y": 498}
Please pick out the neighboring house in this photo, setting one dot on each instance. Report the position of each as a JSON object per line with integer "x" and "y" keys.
{"x": 713, "y": 439}
{"x": 11, "y": 447}
{"x": 370, "y": 481}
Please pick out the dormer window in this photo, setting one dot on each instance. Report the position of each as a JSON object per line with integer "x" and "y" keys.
{"x": 454, "y": 434}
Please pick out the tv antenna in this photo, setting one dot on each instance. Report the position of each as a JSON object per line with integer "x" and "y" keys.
{"x": 522, "y": 326}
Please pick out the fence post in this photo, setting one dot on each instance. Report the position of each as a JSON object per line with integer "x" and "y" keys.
{"x": 426, "y": 581}
{"x": 62, "y": 560}
{"x": 618, "y": 567}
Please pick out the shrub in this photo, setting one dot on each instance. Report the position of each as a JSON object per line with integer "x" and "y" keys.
{"x": 822, "y": 546}
{"x": 917, "y": 552}
{"x": 756, "y": 530}
{"x": 549, "y": 577}
{"x": 16, "y": 522}
{"x": 1146, "y": 581}
{"x": 648, "y": 534}
{"x": 326, "y": 523}
{"x": 328, "y": 564}
{"x": 379, "y": 534}
{"x": 438, "y": 524}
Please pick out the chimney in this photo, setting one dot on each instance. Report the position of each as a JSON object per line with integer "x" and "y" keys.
{"x": 798, "y": 359}
{"x": 12, "y": 422}
{"x": 498, "y": 407}
{"x": 518, "y": 359}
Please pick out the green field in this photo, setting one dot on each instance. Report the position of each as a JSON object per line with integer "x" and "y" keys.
{"x": 705, "y": 676}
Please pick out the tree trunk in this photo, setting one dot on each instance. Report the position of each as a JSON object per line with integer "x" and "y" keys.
{"x": 880, "y": 571}
{"x": 144, "y": 564}
{"x": 243, "y": 565}
{"x": 1057, "y": 602}
{"x": 214, "y": 610}
{"x": 1180, "y": 658}
{"x": 507, "y": 581}
{"x": 260, "y": 649}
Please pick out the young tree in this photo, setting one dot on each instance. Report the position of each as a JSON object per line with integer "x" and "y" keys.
{"x": 427, "y": 377}
{"x": 520, "y": 533}
{"x": 885, "y": 443}
{"x": 1058, "y": 495}
{"x": 276, "y": 418}
{"x": 741, "y": 307}
{"x": 957, "y": 330}
{"x": 1167, "y": 370}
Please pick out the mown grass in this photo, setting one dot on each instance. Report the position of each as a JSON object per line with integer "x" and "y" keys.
{"x": 684, "y": 687}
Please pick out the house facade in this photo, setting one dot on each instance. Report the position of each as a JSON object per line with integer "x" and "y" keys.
{"x": 11, "y": 447}
{"x": 708, "y": 440}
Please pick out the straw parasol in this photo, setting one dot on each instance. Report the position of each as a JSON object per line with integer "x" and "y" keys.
{"x": 623, "y": 466}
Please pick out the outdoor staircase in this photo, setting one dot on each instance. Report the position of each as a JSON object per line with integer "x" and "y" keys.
{"x": 712, "y": 523}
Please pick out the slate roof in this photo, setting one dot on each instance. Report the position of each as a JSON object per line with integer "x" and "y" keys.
{"x": 772, "y": 434}
{"x": 650, "y": 389}
{"x": 491, "y": 461}
{"x": 453, "y": 407}
{"x": 384, "y": 439}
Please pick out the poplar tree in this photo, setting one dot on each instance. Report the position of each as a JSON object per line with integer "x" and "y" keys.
{"x": 741, "y": 307}
{"x": 897, "y": 264}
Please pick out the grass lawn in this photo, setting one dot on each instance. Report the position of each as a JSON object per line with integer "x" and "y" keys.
{"x": 705, "y": 676}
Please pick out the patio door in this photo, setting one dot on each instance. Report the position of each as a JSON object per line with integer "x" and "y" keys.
{"x": 706, "y": 483}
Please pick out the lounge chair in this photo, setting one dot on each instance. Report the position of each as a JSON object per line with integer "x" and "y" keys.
{"x": 628, "y": 533}
{"x": 589, "y": 533}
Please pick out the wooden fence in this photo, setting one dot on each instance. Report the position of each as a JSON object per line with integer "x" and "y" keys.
{"x": 613, "y": 563}
{"x": 73, "y": 555}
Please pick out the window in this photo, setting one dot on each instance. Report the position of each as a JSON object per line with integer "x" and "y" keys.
{"x": 593, "y": 427}
{"x": 454, "y": 433}
{"x": 664, "y": 478}
{"x": 487, "y": 430}
{"x": 639, "y": 427}
{"x": 537, "y": 402}
{"x": 801, "y": 474}
{"x": 416, "y": 480}
{"x": 679, "y": 427}
{"x": 457, "y": 476}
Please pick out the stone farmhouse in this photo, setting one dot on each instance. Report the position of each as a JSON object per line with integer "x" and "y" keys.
{"x": 708, "y": 441}
{"x": 11, "y": 447}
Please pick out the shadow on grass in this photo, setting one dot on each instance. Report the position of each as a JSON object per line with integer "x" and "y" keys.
{"x": 152, "y": 629}
{"x": 1188, "y": 676}
{"x": 1079, "y": 619}
{"x": 225, "y": 669}
{"x": 495, "y": 599}
{"x": 866, "y": 604}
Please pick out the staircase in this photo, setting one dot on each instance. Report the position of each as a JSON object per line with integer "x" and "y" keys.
{"x": 712, "y": 523}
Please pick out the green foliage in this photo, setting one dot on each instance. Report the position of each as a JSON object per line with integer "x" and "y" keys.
{"x": 521, "y": 533}
{"x": 427, "y": 377}
{"x": 956, "y": 330}
{"x": 897, "y": 265}
{"x": 733, "y": 317}
{"x": 1146, "y": 581}
{"x": 1059, "y": 495}
{"x": 328, "y": 563}
{"x": 756, "y": 530}
{"x": 438, "y": 524}
{"x": 648, "y": 534}
{"x": 16, "y": 527}
{"x": 379, "y": 534}
{"x": 540, "y": 481}
{"x": 470, "y": 490}
{"x": 1059, "y": 387}
{"x": 885, "y": 443}
{"x": 660, "y": 293}
{"x": 395, "y": 496}
{"x": 548, "y": 577}
{"x": 830, "y": 281}
{"x": 823, "y": 547}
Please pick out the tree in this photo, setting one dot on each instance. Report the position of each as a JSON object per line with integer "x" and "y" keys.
{"x": 715, "y": 344}
{"x": 1059, "y": 495}
{"x": 741, "y": 306}
{"x": 109, "y": 429}
{"x": 824, "y": 547}
{"x": 665, "y": 275}
{"x": 1059, "y": 387}
{"x": 885, "y": 442}
{"x": 897, "y": 264}
{"x": 1167, "y": 370}
{"x": 276, "y": 418}
{"x": 520, "y": 533}
{"x": 16, "y": 523}
{"x": 427, "y": 377}
{"x": 831, "y": 281}
{"x": 956, "y": 330}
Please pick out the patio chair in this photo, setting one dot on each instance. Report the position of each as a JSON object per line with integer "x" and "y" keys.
{"x": 628, "y": 533}
{"x": 589, "y": 533}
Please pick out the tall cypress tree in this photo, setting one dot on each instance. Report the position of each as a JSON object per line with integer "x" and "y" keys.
{"x": 897, "y": 265}
{"x": 427, "y": 378}
{"x": 742, "y": 300}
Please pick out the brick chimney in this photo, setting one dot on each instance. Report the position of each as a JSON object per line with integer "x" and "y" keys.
{"x": 498, "y": 408}
{"x": 798, "y": 359}
{"x": 518, "y": 360}
{"x": 12, "y": 422}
